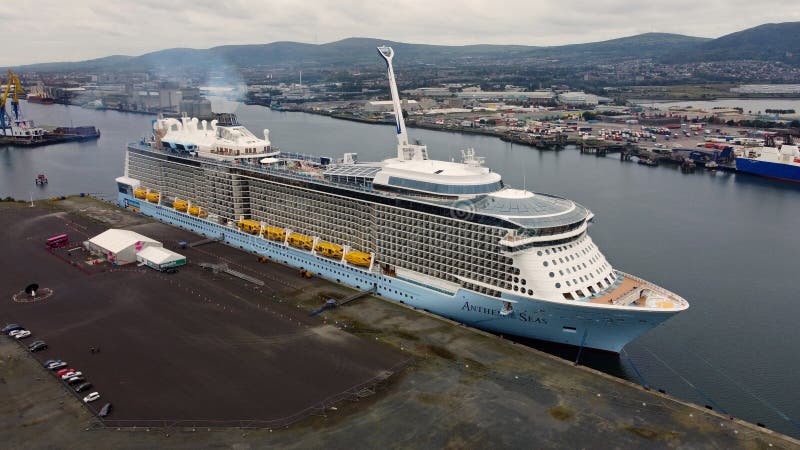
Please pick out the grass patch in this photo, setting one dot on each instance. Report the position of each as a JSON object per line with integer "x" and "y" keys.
{"x": 441, "y": 352}
{"x": 406, "y": 335}
{"x": 476, "y": 366}
{"x": 357, "y": 327}
{"x": 653, "y": 434}
{"x": 560, "y": 413}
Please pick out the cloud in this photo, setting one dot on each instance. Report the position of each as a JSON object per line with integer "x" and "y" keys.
{"x": 53, "y": 30}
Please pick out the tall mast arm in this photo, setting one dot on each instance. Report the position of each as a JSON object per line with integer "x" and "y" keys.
{"x": 402, "y": 137}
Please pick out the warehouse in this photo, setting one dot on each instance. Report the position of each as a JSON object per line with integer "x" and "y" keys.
{"x": 160, "y": 258}
{"x": 120, "y": 246}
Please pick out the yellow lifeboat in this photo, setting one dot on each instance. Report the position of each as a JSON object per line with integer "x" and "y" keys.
{"x": 301, "y": 241}
{"x": 249, "y": 226}
{"x": 180, "y": 205}
{"x": 275, "y": 233}
{"x": 358, "y": 258}
{"x": 202, "y": 213}
{"x": 140, "y": 193}
{"x": 152, "y": 197}
{"x": 194, "y": 210}
{"x": 329, "y": 250}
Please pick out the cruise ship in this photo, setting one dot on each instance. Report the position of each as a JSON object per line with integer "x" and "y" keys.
{"x": 446, "y": 237}
{"x": 773, "y": 160}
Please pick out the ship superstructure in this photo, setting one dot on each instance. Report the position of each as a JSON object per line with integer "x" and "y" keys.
{"x": 447, "y": 237}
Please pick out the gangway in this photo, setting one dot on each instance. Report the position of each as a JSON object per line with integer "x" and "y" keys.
{"x": 202, "y": 241}
{"x": 333, "y": 303}
{"x": 216, "y": 268}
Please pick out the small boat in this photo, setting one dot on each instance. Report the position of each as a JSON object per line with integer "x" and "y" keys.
{"x": 329, "y": 250}
{"x": 712, "y": 166}
{"x": 249, "y": 226}
{"x": 274, "y": 233}
{"x": 180, "y": 205}
{"x": 358, "y": 258}
{"x": 301, "y": 241}
{"x": 40, "y": 179}
{"x": 648, "y": 162}
{"x": 687, "y": 165}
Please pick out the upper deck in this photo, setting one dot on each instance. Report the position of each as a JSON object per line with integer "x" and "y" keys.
{"x": 505, "y": 207}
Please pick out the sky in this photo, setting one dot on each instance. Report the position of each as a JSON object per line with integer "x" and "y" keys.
{"x": 75, "y": 30}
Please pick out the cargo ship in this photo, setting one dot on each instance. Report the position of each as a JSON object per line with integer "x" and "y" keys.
{"x": 39, "y": 95}
{"x": 447, "y": 237}
{"x": 781, "y": 162}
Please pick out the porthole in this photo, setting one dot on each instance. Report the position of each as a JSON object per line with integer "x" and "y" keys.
{"x": 539, "y": 253}
{"x": 552, "y": 274}
{"x": 545, "y": 263}
{"x": 558, "y": 285}
{"x": 522, "y": 281}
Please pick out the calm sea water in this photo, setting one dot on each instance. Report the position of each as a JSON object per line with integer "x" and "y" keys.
{"x": 728, "y": 243}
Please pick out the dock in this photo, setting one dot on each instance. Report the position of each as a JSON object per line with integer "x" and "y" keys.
{"x": 247, "y": 354}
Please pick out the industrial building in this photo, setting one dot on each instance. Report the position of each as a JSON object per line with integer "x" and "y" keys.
{"x": 121, "y": 247}
{"x": 384, "y": 106}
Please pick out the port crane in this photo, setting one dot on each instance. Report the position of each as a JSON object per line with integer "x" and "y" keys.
{"x": 5, "y": 118}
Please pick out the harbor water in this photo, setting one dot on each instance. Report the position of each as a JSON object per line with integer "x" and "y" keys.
{"x": 726, "y": 242}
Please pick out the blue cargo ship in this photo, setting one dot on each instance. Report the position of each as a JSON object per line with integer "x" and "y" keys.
{"x": 781, "y": 163}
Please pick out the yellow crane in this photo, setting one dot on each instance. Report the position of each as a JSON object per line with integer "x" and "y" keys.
{"x": 13, "y": 80}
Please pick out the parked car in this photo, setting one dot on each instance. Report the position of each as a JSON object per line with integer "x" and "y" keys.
{"x": 83, "y": 387}
{"x": 13, "y": 333}
{"x": 91, "y": 397}
{"x": 22, "y": 334}
{"x": 76, "y": 380}
{"x": 63, "y": 371}
{"x": 105, "y": 410}
{"x": 49, "y": 361}
{"x": 71, "y": 375}
{"x": 39, "y": 346}
{"x": 57, "y": 364}
{"x": 11, "y": 327}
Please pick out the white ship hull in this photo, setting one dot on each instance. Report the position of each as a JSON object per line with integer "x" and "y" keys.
{"x": 576, "y": 324}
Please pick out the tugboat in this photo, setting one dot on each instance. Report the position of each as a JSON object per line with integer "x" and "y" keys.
{"x": 40, "y": 180}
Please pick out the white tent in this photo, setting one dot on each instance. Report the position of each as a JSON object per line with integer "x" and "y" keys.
{"x": 120, "y": 246}
{"x": 160, "y": 258}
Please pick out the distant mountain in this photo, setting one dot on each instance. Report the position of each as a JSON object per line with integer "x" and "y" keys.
{"x": 648, "y": 45}
{"x": 768, "y": 42}
{"x": 773, "y": 42}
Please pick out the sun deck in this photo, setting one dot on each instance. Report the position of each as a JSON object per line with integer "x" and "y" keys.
{"x": 633, "y": 291}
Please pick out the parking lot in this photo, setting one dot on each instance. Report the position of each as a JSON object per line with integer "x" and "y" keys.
{"x": 191, "y": 347}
